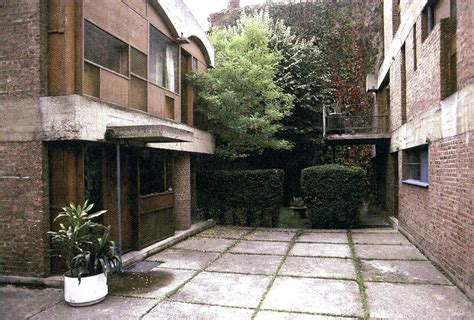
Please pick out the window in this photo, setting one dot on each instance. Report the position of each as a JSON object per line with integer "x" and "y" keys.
{"x": 414, "y": 48}
{"x": 156, "y": 173}
{"x": 428, "y": 19}
{"x": 105, "y": 50}
{"x": 195, "y": 64}
{"x": 138, "y": 65}
{"x": 163, "y": 64}
{"x": 416, "y": 166}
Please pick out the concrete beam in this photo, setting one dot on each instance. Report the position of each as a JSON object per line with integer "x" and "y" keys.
{"x": 150, "y": 133}
{"x": 452, "y": 117}
{"x": 75, "y": 117}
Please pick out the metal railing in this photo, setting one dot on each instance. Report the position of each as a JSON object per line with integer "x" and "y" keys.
{"x": 337, "y": 120}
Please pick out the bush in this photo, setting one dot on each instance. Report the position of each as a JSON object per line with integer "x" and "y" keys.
{"x": 333, "y": 195}
{"x": 243, "y": 197}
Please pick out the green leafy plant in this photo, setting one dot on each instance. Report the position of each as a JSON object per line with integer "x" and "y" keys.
{"x": 84, "y": 243}
{"x": 241, "y": 197}
{"x": 333, "y": 195}
{"x": 297, "y": 202}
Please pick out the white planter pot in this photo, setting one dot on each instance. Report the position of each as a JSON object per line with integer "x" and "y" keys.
{"x": 89, "y": 291}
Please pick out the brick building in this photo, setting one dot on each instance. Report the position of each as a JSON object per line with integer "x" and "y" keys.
{"x": 424, "y": 152}
{"x": 95, "y": 104}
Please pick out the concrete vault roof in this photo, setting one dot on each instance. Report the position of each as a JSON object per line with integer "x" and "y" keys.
{"x": 182, "y": 22}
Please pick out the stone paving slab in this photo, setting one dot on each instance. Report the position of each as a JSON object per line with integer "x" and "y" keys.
{"x": 205, "y": 244}
{"x": 224, "y": 289}
{"x": 183, "y": 259}
{"x": 402, "y": 271}
{"x": 417, "y": 301}
{"x": 21, "y": 303}
{"x": 155, "y": 284}
{"x": 323, "y": 237}
{"x": 321, "y": 250}
{"x": 274, "y": 315}
{"x": 111, "y": 308}
{"x": 261, "y": 247}
{"x": 379, "y": 238}
{"x": 381, "y": 252}
{"x": 270, "y": 235}
{"x": 318, "y": 267}
{"x": 374, "y": 230}
{"x": 246, "y": 263}
{"x": 225, "y": 232}
{"x": 338, "y": 297}
{"x": 172, "y": 310}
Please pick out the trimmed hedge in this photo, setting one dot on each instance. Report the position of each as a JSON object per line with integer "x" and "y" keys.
{"x": 242, "y": 197}
{"x": 333, "y": 195}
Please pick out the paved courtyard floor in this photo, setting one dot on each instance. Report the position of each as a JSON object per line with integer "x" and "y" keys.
{"x": 244, "y": 273}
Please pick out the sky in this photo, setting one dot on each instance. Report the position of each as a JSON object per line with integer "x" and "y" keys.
{"x": 203, "y": 8}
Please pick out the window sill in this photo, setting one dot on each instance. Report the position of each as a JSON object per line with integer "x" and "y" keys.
{"x": 417, "y": 183}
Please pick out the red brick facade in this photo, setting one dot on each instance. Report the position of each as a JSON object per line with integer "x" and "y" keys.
{"x": 24, "y": 215}
{"x": 438, "y": 218}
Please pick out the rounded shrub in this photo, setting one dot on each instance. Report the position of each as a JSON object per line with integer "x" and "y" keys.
{"x": 241, "y": 197}
{"x": 333, "y": 195}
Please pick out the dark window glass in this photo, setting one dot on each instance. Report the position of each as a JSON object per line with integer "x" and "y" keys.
{"x": 104, "y": 49}
{"x": 138, "y": 63}
{"x": 156, "y": 173}
{"x": 163, "y": 63}
{"x": 417, "y": 164}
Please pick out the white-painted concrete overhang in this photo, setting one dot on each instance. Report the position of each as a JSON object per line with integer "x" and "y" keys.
{"x": 75, "y": 117}
{"x": 183, "y": 24}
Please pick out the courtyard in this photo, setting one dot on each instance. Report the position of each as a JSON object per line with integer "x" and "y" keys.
{"x": 256, "y": 273}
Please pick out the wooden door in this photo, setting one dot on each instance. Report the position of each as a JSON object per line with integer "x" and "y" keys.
{"x": 155, "y": 198}
{"x": 128, "y": 195}
{"x": 66, "y": 185}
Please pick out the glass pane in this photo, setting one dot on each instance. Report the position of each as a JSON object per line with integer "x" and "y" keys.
{"x": 138, "y": 64}
{"x": 104, "y": 49}
{"x": 424, "y": 165}
{"x": 169, "y": 173}
{"x": 152, "y": 173}
{"x": 163, "y": 67}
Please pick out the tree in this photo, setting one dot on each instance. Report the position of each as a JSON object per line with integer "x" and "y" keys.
{"x": 241, "y": 101}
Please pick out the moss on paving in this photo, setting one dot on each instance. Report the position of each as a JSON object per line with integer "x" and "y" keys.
{"x": 359, "y": 278}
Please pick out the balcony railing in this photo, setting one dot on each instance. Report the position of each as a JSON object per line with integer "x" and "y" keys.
{"x": 338, "y": 121}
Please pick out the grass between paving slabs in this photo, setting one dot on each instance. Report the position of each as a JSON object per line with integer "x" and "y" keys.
{"x": 272, "y": 280}
{"x": 359, "y": 279}
{"x": 174, "y": 291}
{"x": 289, "y": 219}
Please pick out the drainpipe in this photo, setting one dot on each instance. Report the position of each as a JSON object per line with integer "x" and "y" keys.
{"x": 118, "y": 197}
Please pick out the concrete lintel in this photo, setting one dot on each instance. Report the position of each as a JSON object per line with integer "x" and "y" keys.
{"x": 451, "y": 117}
{"x": 75, "y": 117}
{"x": 149, "y": 133}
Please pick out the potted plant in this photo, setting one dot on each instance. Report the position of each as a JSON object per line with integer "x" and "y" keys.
{"x": 89, "y": 255}
{"x": 298, "y": 207}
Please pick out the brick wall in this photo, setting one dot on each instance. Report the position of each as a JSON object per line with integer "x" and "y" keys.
{"x": 440, "y": 217}
{"x": 182, "y": 190}
{"x": 24, "y": 216}
{"x": 23, "y": 50}
{"x": 425, "y": 85}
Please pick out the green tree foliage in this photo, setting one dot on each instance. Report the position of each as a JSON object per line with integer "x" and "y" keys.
{"x": 305, "y": 74}
{"x": 239, "y": 97}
